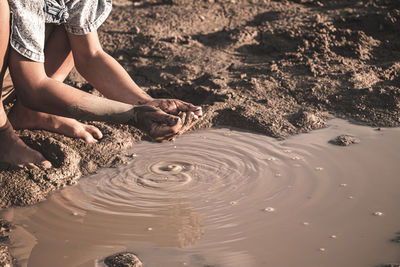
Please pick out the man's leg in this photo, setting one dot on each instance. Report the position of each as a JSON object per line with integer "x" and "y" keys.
{"x": 13, "y": 151}
{"x": 59, "y": 62}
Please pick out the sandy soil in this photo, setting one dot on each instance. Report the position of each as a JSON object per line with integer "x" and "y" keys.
{"x": 274, "y": 67}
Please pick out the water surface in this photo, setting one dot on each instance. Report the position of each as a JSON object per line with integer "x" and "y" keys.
{"x": 228, "y": 198}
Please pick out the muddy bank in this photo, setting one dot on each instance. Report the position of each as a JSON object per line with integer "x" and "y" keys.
{"x": 274, "y": 67}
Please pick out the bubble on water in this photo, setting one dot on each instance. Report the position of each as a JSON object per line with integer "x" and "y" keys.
{"x": 350, "y": 197}
{"x": 333, "y": 236}
{"x": 306, "y": 223}
{"x": 149, "y": 229}
{"x": 269, "y": 209}
{"x": 378, "y": 213}
{"x": 174, "y": 146}
{"x": 319, "y": 168}
{"x": 343, "y": 185}
{"x": 322, "y": 249}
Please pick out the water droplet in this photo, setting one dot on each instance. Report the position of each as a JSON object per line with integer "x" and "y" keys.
{"x": 269, "y": 209}
{"x": 333, "y": 236}
{"x": 233, "y": 203}
{"x": 343, "y": 185}
{"x": 378, "y": 213}
{"x": 149, "y": 229}
{"x": 322, "y": 249}
{"x": 319, "y": 168}
{"x": 306, "y": 223}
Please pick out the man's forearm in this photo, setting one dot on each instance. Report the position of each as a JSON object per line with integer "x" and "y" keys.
{"x": 110, "y": 78}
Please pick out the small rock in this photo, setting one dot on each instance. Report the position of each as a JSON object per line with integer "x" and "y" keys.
{"x": 123, "y": 259}
{"x": 344, "y": 140}
{"x": 136, "y": 30}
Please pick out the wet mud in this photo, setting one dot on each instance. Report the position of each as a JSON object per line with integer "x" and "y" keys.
{"x": 273, "y": 67}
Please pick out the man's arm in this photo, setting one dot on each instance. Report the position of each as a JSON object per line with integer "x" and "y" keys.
{"x": 41, "y": 93}
{"x": 110, "y": 78}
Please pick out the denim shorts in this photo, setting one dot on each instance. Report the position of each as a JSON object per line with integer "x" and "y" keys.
{"x": 29, "y": 19}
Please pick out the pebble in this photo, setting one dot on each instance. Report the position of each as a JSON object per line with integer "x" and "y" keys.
{"x": 378, "y": 213}
{"x": 126, "y": 259}
{"x": 136, "y": 30}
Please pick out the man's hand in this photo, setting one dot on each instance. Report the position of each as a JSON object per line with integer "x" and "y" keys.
{"x": 159, "y": 125}
{"x": 176, "y": 107}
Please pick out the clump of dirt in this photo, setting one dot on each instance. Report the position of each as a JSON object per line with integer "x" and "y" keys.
{"x": 344, "y": 140}
{"x": 123, "y": 259}
{"x": 5, "y": 258}
{"x": 275, "y": 67}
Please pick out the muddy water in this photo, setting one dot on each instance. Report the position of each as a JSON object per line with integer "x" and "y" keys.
{"x": 228, "y": 198}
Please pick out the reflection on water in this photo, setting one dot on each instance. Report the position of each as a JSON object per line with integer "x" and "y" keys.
{"x": 228, "y": 198}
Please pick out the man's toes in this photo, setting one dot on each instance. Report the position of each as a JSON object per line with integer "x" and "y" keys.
{"x": 94, "y": 131}
{"x": 45, "y": 164}
{"x": 88, "y": 138}
{"x": 31, "y": 166}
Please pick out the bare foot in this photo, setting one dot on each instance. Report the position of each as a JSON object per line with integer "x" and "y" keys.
{"x": 24, "y": 118}
{"x": 14, "y": 152}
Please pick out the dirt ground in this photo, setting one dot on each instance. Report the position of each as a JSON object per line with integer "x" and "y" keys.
{"x": 274, "y": 67}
